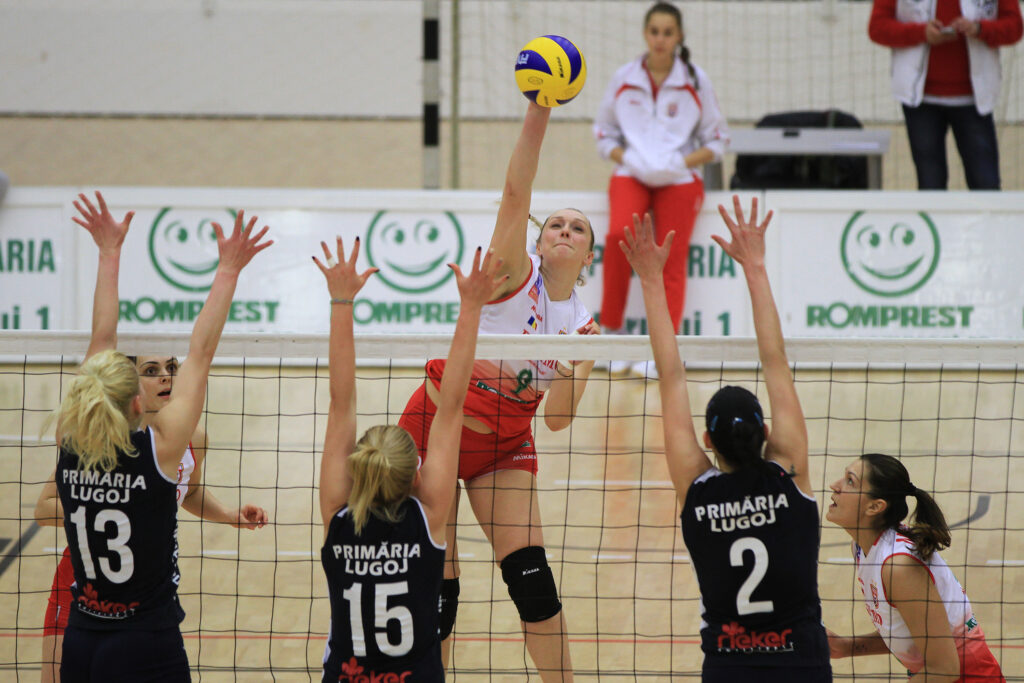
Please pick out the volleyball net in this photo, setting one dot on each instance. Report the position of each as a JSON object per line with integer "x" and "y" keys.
{"x": 256, "y": 601}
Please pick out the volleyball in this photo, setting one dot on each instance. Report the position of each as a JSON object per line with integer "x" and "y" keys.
{"x": 550, "y": 70}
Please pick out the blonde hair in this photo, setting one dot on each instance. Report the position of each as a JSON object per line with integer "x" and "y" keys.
{"x": 383, "y": 468}
{"x": 94, "y": 418}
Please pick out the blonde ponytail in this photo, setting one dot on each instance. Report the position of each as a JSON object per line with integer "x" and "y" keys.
{"x": 383, "y": 468}
{"x": 95, "y": 419}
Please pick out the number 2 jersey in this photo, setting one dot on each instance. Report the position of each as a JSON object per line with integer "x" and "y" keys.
{"x": 122, "y": 529}
{"x": 753, "y": 542}
{"x": 385, "y": 592}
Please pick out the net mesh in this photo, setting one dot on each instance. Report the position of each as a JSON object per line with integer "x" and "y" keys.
{"x": 256, "y": 601}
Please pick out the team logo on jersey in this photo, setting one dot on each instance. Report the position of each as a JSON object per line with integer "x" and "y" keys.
{"x": 890, "y": 254}
{"x": 672, "y": 109}
{"x": 874, "y": 595}
{"x": 183, "y": 247}
{"x": 353, "y": 672}
{"x": 534, "y": 292}
{"x": 89, "y": 602}
{"x": 532, "y": 322}
{"x": 736, "y": 638}
{"x": 412, "y": 251}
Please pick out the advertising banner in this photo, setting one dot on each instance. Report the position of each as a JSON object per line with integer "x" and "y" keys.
{"x": 170, "y": 257}
{"x": 847, "y": 264}
{"x": 901, "y": 265}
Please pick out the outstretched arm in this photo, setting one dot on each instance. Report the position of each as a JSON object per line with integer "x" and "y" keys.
{"x": 108, "y": 235}
{"x": 508, "y": 242}
{"x": 787, "y": 441}
{"x": 175, "y": 423}
{"x": 441, "y": 464}
{"x": 343, "y": 283}
{"x": 686, "y": 459}
{"x": 204, "y": 505}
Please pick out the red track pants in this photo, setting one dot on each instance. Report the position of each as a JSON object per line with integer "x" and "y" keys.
{"x": 674, "y": 207}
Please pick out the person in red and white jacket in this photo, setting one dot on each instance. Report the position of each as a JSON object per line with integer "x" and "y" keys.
{"x": 946, "y": 74}
{"x": 659, "y": 122}
{"x": 920, "y": 611}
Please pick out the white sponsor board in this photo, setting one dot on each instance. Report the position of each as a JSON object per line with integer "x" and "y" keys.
{"x": 37, "y": 267}
{"x": 901, "y": 264}
{"x": 842, "y": 264}
{"x": 169, "y": 258}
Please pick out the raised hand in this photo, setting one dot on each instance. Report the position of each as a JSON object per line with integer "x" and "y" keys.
{"x": 106, "y": 232}
{"x": 239, "y": 248}
{"x": 482, "y": 283}
{"x": 747, "y": 245}
{"x": 644, "y": 254}
{"x": 343, "y": 281}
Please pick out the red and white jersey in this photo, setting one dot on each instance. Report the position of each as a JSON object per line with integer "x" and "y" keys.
{"x": 658, "y": 126}
{"x": 887, "y": 619}
{"x": 185, "y": 469}
{"x": 512, "y": 389}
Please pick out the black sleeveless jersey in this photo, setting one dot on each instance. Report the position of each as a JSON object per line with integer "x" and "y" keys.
{"x": 385, "y": 591}
{"x": 753, "y": 541}
{"x": 122, "y": 529}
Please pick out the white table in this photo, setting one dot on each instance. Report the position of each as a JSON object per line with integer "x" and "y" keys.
{"x": 872, "y": 144}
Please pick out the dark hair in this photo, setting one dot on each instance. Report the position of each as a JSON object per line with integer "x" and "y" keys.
{"x": 735, "y": 421}
{"x": 888, "y": 480}
{"x": 684, "y": 52}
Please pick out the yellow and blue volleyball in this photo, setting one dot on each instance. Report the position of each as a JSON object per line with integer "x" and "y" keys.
{"x": 550, "y": 70}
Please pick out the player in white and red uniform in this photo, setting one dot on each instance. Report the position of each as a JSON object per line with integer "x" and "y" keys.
{"x": 498, "y": 459}
{"x": 156, "y": 378}
{"x": 904, "y": 580}
{"x": 659, "y": 121}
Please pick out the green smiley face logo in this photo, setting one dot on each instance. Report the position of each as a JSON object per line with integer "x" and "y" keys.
{"x": 412, "y": 252}
{"x": 890, "y": 256}
{"x": 184, "y": 250}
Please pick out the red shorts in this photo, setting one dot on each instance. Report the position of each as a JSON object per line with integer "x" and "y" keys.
{"x": 59, "y": 604}
{"x": 479, "y": 454}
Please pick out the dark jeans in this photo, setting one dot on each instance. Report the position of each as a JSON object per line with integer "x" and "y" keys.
{"x": 975, "y": 137}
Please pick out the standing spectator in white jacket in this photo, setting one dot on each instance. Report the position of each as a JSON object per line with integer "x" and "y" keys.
{"x": 659, "y": 122}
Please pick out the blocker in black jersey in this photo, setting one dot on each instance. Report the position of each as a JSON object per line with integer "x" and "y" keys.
{"x": 753, "y": 541}
{"x": 385, "y": 589}
{"x": 122, "y": 529}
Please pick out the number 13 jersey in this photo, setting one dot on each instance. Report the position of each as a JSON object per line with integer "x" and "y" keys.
{"x": 385, "y": 592}
{"x": 122, "y": 529}
{"x": 753, "y": 542}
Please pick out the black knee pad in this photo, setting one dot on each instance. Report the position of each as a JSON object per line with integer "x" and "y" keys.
{"x": 449, "y": 606}
{"x": 531, "y": 584}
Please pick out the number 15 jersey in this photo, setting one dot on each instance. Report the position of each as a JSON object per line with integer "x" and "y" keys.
{"x": 753, "y": 542}
{"x": 385, "y": 592}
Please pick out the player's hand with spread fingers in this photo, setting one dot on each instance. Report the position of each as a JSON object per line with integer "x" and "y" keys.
{"x": 107, "y": 233}
{"x": 237, "y": 249}
{"x": 747, "y": 245}
{"x": 642, "y": 251}
{"x": 343, "y": 280}
{"x": 483, "y": 282}
{"x": 250, "y": 517}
